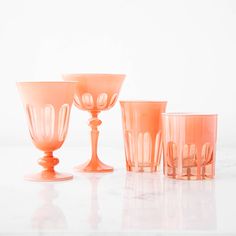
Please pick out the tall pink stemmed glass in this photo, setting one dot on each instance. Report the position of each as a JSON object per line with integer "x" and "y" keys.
{"x": 47, "y": 106}
{"x": 95, "y": 93}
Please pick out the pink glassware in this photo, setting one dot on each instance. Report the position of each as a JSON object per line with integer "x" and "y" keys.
{"x": 95, "y": 93}
{"x": 142, "y": 134}
{"x": 47, "y": 106}
{"x": 189, "y": 142}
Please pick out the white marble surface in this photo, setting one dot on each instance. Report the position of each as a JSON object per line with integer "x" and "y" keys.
{"x": 117, "y": 203}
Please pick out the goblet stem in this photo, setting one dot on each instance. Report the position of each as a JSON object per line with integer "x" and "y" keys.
{"x": 48, "y": 174}
{"x": 48, "y": 162}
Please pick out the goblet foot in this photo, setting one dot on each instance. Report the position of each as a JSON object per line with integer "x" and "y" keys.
{"x": 48, "y": 176}
{"x": 94, "y": 166}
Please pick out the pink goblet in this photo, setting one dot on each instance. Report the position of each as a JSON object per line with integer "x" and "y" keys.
{"x": 95, "y": 93}
{"x": 47, "y": 106}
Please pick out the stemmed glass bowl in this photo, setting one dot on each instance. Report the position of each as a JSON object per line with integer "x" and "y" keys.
{"x": 95, "y": 93}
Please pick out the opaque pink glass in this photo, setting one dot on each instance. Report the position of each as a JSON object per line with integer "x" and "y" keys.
{"x": 95, "y": 93}
{"x": 47, "y": 106}
{"x": 189, "y": 142}
{"x": 142, "y": 134}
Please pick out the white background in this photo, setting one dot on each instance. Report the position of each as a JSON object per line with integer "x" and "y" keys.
{"x": 180, "y": 51}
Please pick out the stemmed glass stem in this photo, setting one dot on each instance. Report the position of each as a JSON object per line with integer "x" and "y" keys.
{"x": 94, "y": 122}
{"x": 94, "y": 164}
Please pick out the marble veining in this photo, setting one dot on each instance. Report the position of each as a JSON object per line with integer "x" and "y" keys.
{"x": 117, "y": 203}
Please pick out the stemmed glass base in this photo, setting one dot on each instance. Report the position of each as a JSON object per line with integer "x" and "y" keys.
{"x": 48, "y": 174}
{"x": 94, "y": 166}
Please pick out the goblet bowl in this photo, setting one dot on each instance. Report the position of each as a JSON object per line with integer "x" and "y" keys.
{"x": 47, "y": 106}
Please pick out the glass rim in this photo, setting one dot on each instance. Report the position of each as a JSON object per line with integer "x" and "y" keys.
{"x": 45, "y": 82}
{"x": 188, "y": 114}
{"x": 93, "y": 74}
{"x": 142, "y": 101}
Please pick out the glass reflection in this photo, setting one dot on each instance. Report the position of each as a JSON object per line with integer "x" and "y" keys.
{"x": 142, "y": 201}
{"x": 48, "y": 216}
{"x": 189, "y": 205}
{"x": 94, "y": 216}
{"x": 152, "y": 201}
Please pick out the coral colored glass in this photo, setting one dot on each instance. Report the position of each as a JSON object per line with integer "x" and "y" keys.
{"x": 189, "y": 142}
{"x": 95, "y": 93}
{"x": 47, "y": 106}
{"x": 142, "y": 134}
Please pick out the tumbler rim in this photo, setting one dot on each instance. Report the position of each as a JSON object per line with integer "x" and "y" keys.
{"x": 92, "y": 74}
{"x": 141, "y": 101}
{"x": 188, "y": 114}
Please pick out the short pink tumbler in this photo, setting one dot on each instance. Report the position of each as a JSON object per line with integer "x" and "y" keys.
{"x": 189, "y": 142}
{"x": 142, "y": 134}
